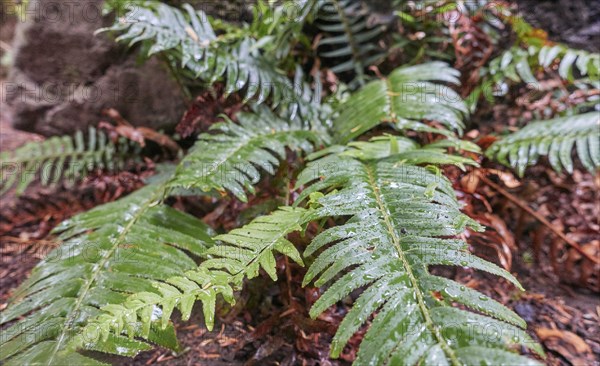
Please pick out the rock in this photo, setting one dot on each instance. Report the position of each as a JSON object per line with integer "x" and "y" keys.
{"x": 573, "y": 22}
{"x": 64, "y": 75}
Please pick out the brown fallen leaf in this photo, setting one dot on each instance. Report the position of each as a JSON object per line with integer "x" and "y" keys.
{"x": 506, "y": 177}
{"x": 470, "y": 182}
{"x": 136, "y": 134}
{"x": 568, "y": 344}
{"x": 159, "y": 138}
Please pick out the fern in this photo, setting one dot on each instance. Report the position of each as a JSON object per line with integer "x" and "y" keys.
{"x": 349, "y": 36}
{"x": 400, "y": 217}
{"x": 554, "y": 138}
{"x": 135, "y": 239}
{"x": 190, "y": 38}
{"x": 587, "y": 64}
{"x": 240, "y": 254}
{"x": 125, "y": 267}
{"x": 231, "y": 158}
{"x": 516, "y": 63}
{"x": 63, "y": 157}
{"x": 282, "y": 23}
{"x": 404, "y": 99}
{"x": 108, "y": 252}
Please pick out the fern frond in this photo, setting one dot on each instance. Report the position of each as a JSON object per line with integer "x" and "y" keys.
{"x": 516, "y": 63}
{"x": 407, "y": 97}
{"x": 232, "y": 158}
{"x": 168, "y": 28}
{"x": 242, "y": 252}
{"x": 239, "y": 254}
{"x": 587, "y": 64}
{"x": 349, "y": 36}
{"x": 400, "y": 219}
{"x": 108, "y": 252}
{"x": 190, "y": 38}
{"x": 63, "y": 157}
{"x": 554, "y": 138}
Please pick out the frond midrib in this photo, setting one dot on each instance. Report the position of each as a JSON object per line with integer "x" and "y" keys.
{"x": 99, "y": 267}
{"x": 72, "y": 155}
{"x": 256, "y": 258}
{"x": 349, "y": 35}
{"x": 393, "y": 117}
{"x": 407, "y": 267}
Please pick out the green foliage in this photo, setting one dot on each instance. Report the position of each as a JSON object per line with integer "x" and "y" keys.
{"x": 232, "y": 158}
{"x": 243, "y": 251}
{"x": 63, "y": 157}
{"x": 587, "y": 64}
{"x": 281, "y": 25}
{"x": 125, "y": 267}
{"x": 239, "y": 254}
{"x": 189, "y": 38}
{"x": 405, "y": 98}
{"x": 516, "y": 63}
{"x": 108, "y": 252}
{"x": 399, "y": 219}
{"x": 553, "y": 138}
{"x": 348, "y": 36}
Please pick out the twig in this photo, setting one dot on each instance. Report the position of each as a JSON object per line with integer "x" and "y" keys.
{"x": 539, "y": 217}
{"x": 5, "y": 46}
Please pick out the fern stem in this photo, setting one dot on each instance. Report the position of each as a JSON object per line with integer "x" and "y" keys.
{"x": 358, "y": 66}
{"x": 390, "y": 102}
{"x": 415, "y": 284}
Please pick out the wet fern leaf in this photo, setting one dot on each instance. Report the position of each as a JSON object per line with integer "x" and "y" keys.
{"x": 108, "y": 253}
{"x": 406, "y": 98}
{"x": 232, "y": 157}
{"x": 400, "y": 221}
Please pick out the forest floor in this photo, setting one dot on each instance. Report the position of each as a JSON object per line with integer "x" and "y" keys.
{"x": 270, "y": 323}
